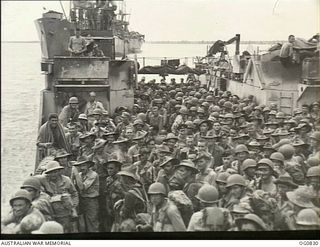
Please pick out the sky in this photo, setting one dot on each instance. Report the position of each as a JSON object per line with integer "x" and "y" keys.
{"x": 186, "y": 19}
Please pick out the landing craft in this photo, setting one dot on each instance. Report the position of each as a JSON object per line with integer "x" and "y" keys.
{"x": 111, "y": 78}
{"x": 263, "y": 75}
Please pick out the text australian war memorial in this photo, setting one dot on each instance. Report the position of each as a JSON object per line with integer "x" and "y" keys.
{"x": 232, "y": 146}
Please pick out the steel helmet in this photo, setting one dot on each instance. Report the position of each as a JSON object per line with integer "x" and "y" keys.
{"x": 193, "y": 108}
{"x": 198, "y": 95}
{"x": 209, "y": 98}
{"x": 216, "y": 108}
{"x": 266, "y": 109}
{"x": 222, "y": 177}
{"x": 221, "y": 102}
{"x": 313, "y": 171}
{"x": 229, "y": 115}
{"x": 248, "y": 163}
{"x": 184, "y": 111}
{"x": 200, "y": 110}
{"x": 241, "y": 148}
{"x": 196, "y": 121}
{"x": 235, "y": 179}
{"x": 307, "y": 217}
{"x": 227, "y": 104}
{"x": 73, "y": 100}
{"x": 194, "y": 101}
{"x": 191, "y": 93}
{"x": 83, "y": 116}
{"x": 179, "y": 94}
{"x": 157, "y": 188}
{"x": 266, "y": 161}
{"x": 208, "y": 194}
{"x": 31, "y": 182}
{"x": 205, "y": 104}
{"x": 21, "y": 194}
{"x": 287, "y": 150}
{"x": 315, "y": 135}
{"x": 313, "y": 161}
{"x": 280, "y": 115}
{"x": 277, "y": 156}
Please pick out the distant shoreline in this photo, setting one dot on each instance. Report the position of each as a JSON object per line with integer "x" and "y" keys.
{"x": 178, "y": 42}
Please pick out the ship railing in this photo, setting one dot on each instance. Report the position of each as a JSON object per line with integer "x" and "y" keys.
{"x": 90, "y": 19}
{"x": 153, "y": 61}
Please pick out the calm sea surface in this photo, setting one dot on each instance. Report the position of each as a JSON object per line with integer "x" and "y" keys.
{"x": 21, "y": 83}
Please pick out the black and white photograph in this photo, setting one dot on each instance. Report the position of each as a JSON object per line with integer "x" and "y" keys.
{"x": 160, "y": 119}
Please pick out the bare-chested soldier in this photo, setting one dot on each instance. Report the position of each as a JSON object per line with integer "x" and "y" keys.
{"x": 77, "y": 44}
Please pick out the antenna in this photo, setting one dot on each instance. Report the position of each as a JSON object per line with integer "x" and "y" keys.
{"x": 63, "y": 9}
{"x": 275, "y": 6}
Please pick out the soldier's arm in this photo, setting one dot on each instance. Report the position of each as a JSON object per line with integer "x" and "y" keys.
{"x": 93, "y": 181}
{"x": 100, "y": 105}
{"x": 74, "y": 194}
{"x": 7, "y": 220}
{"x": 70, "y": 45}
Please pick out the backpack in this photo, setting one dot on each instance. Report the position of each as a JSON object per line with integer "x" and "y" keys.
{"x": 183, "y": 203}
{"x": 215, "y": 219}
{"x": 141, "y": 196}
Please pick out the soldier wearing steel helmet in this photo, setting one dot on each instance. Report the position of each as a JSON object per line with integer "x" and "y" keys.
{"x": 315, "y": 144}
{"x": 165, "y": 216}
{"x": 210, "y": 217}
{"x": 249, "y": 169}
{"x": 313, "y": 181}
{"x": 236, "y": 190}
{"x": 40, "y": 199}
{"x": 184, "y": 179}
{"x": 241, "y": 153}
{"x": 265, "y": 176}
{"x": 307, "y": 219}
{"x": 70, "y": 112}
{"x": 21, "y": 207}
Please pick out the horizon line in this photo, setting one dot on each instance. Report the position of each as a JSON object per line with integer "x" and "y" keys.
{"x": 162, "y": 41}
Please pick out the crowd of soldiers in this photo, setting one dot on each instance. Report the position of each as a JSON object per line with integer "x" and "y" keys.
{"x": 183, "y": 158}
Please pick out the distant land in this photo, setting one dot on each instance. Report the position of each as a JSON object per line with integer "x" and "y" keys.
{"x": 180, "y": 42}
{"x": 211, "y": 42}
